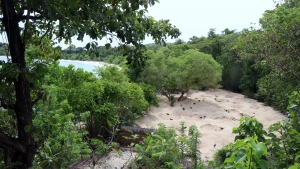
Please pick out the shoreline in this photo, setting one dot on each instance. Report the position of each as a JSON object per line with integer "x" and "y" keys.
{"x": 88, "y": 62}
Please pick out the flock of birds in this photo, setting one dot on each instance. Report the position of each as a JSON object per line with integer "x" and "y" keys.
{"x": 200, "y": 117}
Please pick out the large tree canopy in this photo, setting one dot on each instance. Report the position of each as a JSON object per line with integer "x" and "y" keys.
{"x": 276, "y": 43}
{"x": 190, "y": 70}
{"x": 28, "y": 22}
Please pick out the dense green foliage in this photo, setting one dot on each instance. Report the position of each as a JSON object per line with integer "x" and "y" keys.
{"x": 28, "y": 24}
{"x": 188, "y": 70}
{"x": 256, "y": 148}
{"x": 166, "y": 149}
{"x": 51, "y": 116}
{"x": 78, "y": 106}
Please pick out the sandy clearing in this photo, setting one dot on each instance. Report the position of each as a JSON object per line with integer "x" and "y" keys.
{"x": 215, "y": 112}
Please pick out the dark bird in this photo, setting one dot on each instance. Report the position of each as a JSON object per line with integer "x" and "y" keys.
{"x": 204, "y": 116}
{"x": 167, "y": 113}
{"x": 194, "y": 103}
{"x": 171, "y": 119}
{"x": 200, "y": 117}
{"x": 221, "y": 128}
{"x": 214, "y": 145}
{"x": 183, "y": 108}
{"x": 198, "y": 100}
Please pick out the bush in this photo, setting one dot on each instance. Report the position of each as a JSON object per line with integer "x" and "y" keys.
{"x": 221, "y": 155}
{"x": 149, "y": 94}
{"x": 165, "y": 149}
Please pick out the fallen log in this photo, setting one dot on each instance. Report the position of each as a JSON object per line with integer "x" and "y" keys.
{"x": 126, "y": 135}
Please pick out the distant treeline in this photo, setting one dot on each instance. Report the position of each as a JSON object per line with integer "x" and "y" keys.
{"x": 251, "y": 76}
{"x": 243, "y": 70}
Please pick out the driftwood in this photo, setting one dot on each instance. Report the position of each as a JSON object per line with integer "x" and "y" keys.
{"x": 125, "y": 135}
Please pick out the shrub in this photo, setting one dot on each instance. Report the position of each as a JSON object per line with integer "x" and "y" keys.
{"x": 165, "y": 149}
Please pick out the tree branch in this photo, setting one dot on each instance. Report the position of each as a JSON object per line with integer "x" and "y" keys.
{"x": 11, "y": 142}
{"x": 32, "y": 9}
{"x": 26, "y": 27}
{"x": 48, "y": 29}
{"x": 6, "y": 106}
{"x": 40, "y": 96}
{"x": 32, "y": 17}
{"x": 41, "y": 141}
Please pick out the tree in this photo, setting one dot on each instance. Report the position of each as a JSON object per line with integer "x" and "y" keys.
{"x": 276, "y": 43}
{"x": 179, "y": 41}
{"x": 274, "y": 51}
{"x": 227, "y": 31}
{"x": 113, "y": 19}
{"x": 191, "y": 70}
{"x": 194, "y": 70}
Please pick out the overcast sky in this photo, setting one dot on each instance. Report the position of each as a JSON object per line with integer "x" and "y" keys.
{"x": 196, "y": 17}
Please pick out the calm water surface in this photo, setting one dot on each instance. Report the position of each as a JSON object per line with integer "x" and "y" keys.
{"x": 85, "y": 65}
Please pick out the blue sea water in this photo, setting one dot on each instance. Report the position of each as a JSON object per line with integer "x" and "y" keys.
{"x": 85, "y": 65}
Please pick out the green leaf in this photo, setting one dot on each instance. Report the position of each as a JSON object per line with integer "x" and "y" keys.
{"x": 238, "y": 144}
{"x": 229, "y": 159}
{"x": 241, "y": 155}
{"x": 239, "y": 165}
{"x": 109, "y": 123}
{"x": 72, "y": 3}
{"x": 211, "y": 163}
{"x": 259, "y": 149}
{"x": 263, "y": 164}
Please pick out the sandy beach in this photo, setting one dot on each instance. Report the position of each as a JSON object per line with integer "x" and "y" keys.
{"x": 215, "y": 112}
{"x": 93, "y": 63}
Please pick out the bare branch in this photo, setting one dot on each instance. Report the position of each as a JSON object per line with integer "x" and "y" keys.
{"x": 41, "y": 141}
{"x": 26, "y": 27}
{"x": 32, "y": 17}
{"x": 32, "y": 9}
{"x": 48, "y": 29}
{"x": 40, "y": 96}
{"x": 11, "y": 142}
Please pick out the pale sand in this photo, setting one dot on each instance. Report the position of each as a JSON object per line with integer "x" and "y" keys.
{"x": 94, "y": 63}
{"x": 221, "y": 108}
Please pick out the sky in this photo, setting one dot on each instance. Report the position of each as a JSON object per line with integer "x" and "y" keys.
{"x": 196, "y": 17}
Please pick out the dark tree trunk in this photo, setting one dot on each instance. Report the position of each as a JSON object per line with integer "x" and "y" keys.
{"x": 181, "y": 96}
{"x": 24, "y": 146}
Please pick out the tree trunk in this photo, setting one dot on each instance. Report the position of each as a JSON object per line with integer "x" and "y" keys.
{"x": 25, "y": 146}
{"x": 181, "y": 96}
